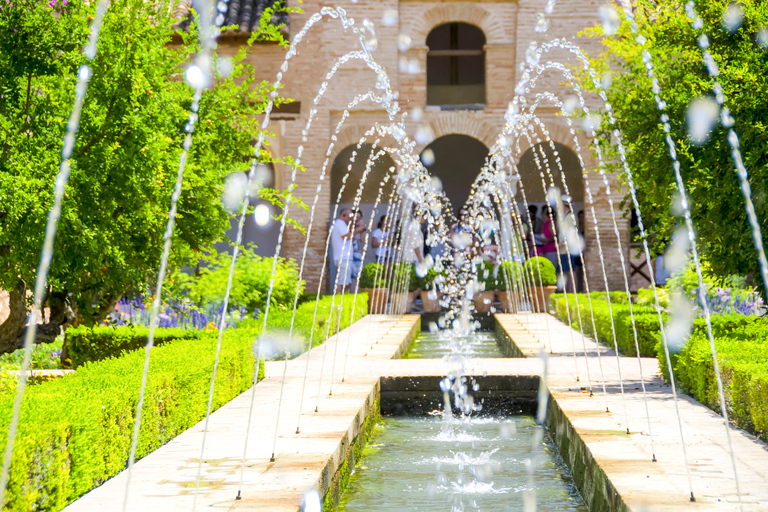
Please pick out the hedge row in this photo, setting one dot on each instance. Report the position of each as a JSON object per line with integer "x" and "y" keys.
{"x": 742, "y": 355}
{"x": 75, "y": 432}
{"x": 743, "y": 360}
{"x": 306, "y": 319}
{"x": 85, "y": 344}
{"x": 646, "y": 321}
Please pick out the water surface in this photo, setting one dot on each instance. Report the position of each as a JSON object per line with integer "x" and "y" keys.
{"x": 444, "y": 344}
{"x": 421, "y": 464}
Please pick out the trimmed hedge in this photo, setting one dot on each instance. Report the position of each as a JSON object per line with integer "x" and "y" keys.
{"x": 743, "y": 360}
{"x": 305, "y": 317}
{"x": 646, "y": 322}
{"x": 99, "y": 343}
{"x": 75, "y": 432}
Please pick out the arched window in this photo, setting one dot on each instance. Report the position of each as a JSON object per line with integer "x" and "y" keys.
{"x": 456, "y": 67}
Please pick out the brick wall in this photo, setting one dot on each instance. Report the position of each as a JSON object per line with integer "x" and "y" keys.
{"x": 508, "y": 27}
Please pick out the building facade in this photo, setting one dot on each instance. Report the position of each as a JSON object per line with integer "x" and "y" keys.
{"x": 456, "y": 65}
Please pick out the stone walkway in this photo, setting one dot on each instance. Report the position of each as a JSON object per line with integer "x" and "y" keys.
{"x": 165, "y": 479}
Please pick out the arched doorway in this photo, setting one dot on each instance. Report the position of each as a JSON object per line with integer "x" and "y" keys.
{"x": 456, "y": 66}
{"x": 530, "y": 177}
{"x": 457, "y": 162}
{"x": 346, "y": 177}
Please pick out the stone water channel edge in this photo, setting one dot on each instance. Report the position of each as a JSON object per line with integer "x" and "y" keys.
{"x": 613, "y": 470}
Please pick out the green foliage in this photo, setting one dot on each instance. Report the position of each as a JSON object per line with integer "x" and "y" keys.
{"x": 717, "y": 206}
{"x": 368, "y": 278}
{"x": 646, "y": 322}
{"x": 486, "y": 276}
{"x": 427, "y": 282}
{"x": 687, "y": 281}
{"x": 124, "y": 165}
{"x": 44, "y": 357}
{"x": 508, "y": 271}
{"x": 86, "y": 344}
{"x": 75, "y": 432}
{"x": 645, "y": 296}
{"x": 548, "y": 276}
{"x": 403, "y": 273}
{"x": 743, "y": 359}
{"x": 250, "y": 282}
{"x": 321, "y": 325}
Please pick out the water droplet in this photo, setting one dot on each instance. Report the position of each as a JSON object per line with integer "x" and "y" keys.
{"x": 609, "y": 19}
{"x": 607, "y": 80}
{"x": 762, "y": 38}
{"x": 592, "y": 123}
{"x": 403, "y": 42}
{"x": 262, "y": 215}
{"x": 84, "y": 73}
{"x": 733, "y": 17}
{"x": 398, "y": 132}
{"x": 532, "y": 56}
{"x": 389, "y": 18}
{"x": 424, "y": 134}
{"x": 225, "y": 66}
{"x": 428, "y": 158}
{"x": 417, "y": 114}
{"x": 312, "y": 502}
{"x": 703, "y": 114}
{"x": 542, "y": 23}
{"x": 369, "y": 36}
{"x": 234, "y": 191}
{"x": 195, "y": 77}
{"x": 549, "y": 7}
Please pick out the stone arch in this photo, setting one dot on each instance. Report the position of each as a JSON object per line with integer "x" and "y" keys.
{"x": 462, "y": 123}
{"x": 456, "y": 159}
{"x": 450, "y": 12}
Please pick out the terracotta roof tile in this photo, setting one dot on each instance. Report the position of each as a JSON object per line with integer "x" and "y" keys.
{"x": 245, "y": 14}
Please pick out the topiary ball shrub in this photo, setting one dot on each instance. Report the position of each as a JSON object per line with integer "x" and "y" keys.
{"x": 507, "y": 275}
{"x": 373, "y": 276}
{"x": 548, "y": 276}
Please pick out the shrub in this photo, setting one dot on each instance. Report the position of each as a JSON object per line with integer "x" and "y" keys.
{"x": 95, "y": 344}
{"x": 508, "y": 270}
{"x": 402, "y": 273}
{"x": 548, "y": 275}
{"x": 743, "y": 360}
{"x": 45, "y": 356}
{"x": 75, "y": 432}
{"x": 308, "y": 324}
{"x": 368, "y": 278}
{"x": 250, "y": 284}
{"x": 486, "y": 276}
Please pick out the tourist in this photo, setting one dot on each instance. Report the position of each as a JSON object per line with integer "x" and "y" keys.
{"x": 413, "y": 239}
{"x": 381, "y": 239}
{"x": 359, "y": 240}
{"x": 534, "y": 225}
{"x": 565, "y": 246}
{"x": 341, "y": 243}
{"x": 548, "y": 235}
{"x": 576, "y": 261}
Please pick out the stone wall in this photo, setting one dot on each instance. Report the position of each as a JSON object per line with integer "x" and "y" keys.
{"x": 508, "y": 27}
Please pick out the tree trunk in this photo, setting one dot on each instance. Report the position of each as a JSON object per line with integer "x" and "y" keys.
{"x": 13, "y": 329}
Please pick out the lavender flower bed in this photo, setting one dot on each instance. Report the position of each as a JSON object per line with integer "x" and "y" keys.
{"x": 725, "y": 301}
{"x": 176, "y": 314}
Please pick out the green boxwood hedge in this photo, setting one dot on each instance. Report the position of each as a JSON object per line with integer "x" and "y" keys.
{"x": 86, "y": 344}
{"x": 743, "y": 359}
{"x": 75, "y": 432}
{"x": 645, "y": 320}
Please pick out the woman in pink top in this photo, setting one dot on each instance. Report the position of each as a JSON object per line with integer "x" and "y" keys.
{"x": 549, "y": 247}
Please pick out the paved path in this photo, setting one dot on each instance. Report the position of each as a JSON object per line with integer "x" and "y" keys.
{"x": 165, "y": 479}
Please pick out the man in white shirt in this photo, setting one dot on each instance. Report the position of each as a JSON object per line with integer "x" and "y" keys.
{"x": 413, "y": 240}
{"x": 341, "y": 245}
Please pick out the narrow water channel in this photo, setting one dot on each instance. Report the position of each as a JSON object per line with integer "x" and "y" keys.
{"x": 488, "y": 463}
{"x": 422, "y": 464}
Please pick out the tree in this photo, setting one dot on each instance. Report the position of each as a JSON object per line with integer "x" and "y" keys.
{"x": 126, "y": 157}
{"x": 717, "y": 206}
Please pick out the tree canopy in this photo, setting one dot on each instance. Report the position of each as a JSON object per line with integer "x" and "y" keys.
{"x": 717, "y": 206}
{"x": 126, "y": 156}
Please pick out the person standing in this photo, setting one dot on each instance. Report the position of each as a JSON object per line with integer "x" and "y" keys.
{"x": 548, "y": 235}
{"x": 566, "y": 245}
{"x": 341, "y": 244}
{"x": 413, "y": 239}
{"x": 359, "y": 240}
{"x": 380, "y": 240}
